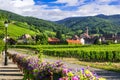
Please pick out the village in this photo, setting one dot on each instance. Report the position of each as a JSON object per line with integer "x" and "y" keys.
{"x": 82, "y": 39}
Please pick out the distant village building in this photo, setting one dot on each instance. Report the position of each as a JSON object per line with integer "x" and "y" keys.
{"x": 118, "y": 37}
{"x": 24, "y": 39}
{"x": 110, "y": 37}
{"x": 72, "y": 41}
{"x": 115, "y": 41}
{"x": 85, "y": 38}
{"x": 53, "y": 40}
{"x": 26, "y": 36}
{"x": 82, "y": 40}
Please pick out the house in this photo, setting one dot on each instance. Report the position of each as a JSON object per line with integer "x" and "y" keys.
{"x": 24, "y": 39}
{"x": 111, "y": 37}
{"x": 72, "y": 41}
{"x": 53, "y": 40}
{"x": 87, "y": 38}
{"x": 25, "y": 36}
{"x": 82, "y": 40}
{"x": 118, "y": 37}
{"x": 75, "y": 37}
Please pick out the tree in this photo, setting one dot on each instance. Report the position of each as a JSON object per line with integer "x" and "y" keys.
{"x": 97, "y": 41}
{"x": 59, "y": 35}
{"x": 41, "y": 38}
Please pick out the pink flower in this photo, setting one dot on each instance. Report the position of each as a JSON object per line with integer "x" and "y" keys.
{"x": 65, "y": 71}
{"x": 61, "y": 79}
{"x": 64, "y": 78}
{"x": 75, "y": 78}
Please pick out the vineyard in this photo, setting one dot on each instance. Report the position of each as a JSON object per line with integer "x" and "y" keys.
{"x": 86, "y": 52}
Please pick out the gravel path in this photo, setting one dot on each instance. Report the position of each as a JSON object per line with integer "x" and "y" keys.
{"x": 109, "y": 75}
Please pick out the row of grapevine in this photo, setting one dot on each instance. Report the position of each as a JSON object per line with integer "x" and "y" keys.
{"x": 88, "y": 47}
{"x": 86, "y": 52}
{"x": 85, "y": 55}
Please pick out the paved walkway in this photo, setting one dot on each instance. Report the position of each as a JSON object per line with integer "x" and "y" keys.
{"x": 10, "y": 72}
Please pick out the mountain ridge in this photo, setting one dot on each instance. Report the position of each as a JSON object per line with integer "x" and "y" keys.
{"x": 39, "y": 24}
{"x": 97, "y": 24}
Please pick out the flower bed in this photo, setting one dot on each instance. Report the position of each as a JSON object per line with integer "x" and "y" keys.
{"x": 34, "y": 69}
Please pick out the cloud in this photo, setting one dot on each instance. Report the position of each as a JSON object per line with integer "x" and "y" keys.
{"x": 16, "y": 6}
{"x": 22, "y": 3}
{"x": 94, "y": 9}
{"x": 43, "y": 11}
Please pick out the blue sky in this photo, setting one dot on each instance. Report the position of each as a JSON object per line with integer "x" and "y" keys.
{"x": 59, "y": 9}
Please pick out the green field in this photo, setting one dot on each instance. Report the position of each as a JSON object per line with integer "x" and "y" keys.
{"x": 15, "y": 31}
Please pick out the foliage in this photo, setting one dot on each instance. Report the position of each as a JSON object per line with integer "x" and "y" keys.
{"x": 41, "y": 38}
{"x": 97, "y": 41}
{"x": 59, "y": 35}
{"x": 25, "y": 25}
{"x": 1, "y": 30}
{"x": 86, "y": 53}
{"x": 36, "y": 23}
{"x": 14, "y": 31}
{"x": 97, "y": 24}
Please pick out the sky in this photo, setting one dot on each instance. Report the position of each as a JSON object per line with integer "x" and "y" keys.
{"x": 54, "y": 10}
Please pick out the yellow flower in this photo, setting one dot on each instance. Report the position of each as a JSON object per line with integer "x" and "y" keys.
{"x": 101, "y": 78}
{"x": 88, "y": 72}
{"x": 70, "y": 74}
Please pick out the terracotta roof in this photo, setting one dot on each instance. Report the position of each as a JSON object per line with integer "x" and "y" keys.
{"x": 73, "y": 41}
{"x": 53, "y": 40}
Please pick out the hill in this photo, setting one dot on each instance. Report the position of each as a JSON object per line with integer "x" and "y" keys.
{"x": 96, "y": 24}
{"x": 14, "y": 31}
{"x": 36, "y": 23}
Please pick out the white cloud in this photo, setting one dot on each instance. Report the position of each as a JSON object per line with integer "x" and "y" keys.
{"x": 22, "y": 3}
{"x": 17, "y": 6}
{"x": 94, "y": 9}
{"x": 27, "y": 8}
